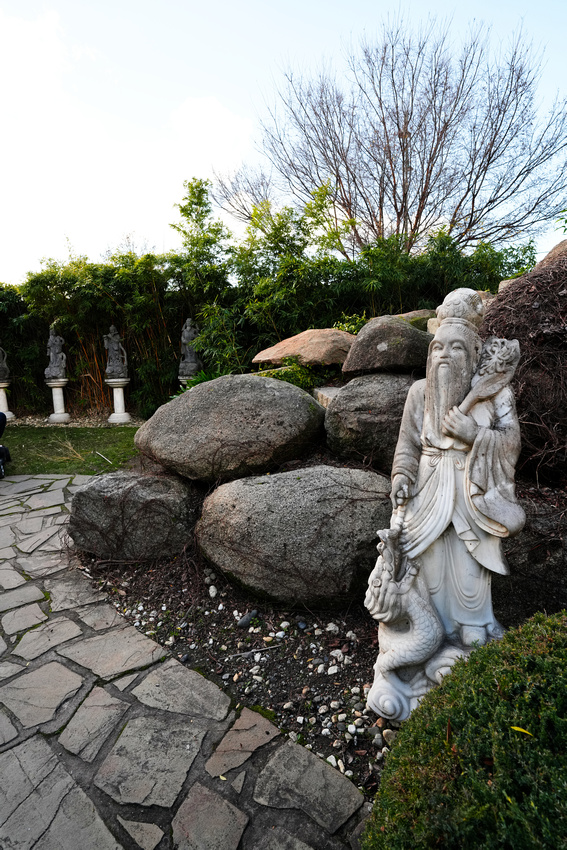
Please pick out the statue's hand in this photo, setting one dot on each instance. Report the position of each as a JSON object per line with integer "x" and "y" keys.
{"x": 457, "y": 424}
{"x": 400, "y": 490}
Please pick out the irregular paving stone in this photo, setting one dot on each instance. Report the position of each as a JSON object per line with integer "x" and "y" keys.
{"x": 294, "y": 778}
{"x": 31, "y": 524}
{"x": 20, "y": 596}
{"x": 35, "y": 697}
{"x": 100, "y": 616}
{"x": 9, "y": 577}
{"x": 47, "y": 499}
{"x": 91, "y": 724}
{"x": 22, "y": 619}
{"x": 250, "y": 732}
{"x": 172, "y": 687}
{"x": 7, "y": 731}
{"x": 7, "y": 537}
{"x": 3, "y": 645}
{"x": 238, "y": 783}
{"x": 8, "y": 669}
{"x": 135, "y": 516}
{"x": 233, "y": 426}
{"x": 124, "y": 681}
{"x": 77, "y": 824}
{"x": 303, "y": 536}
{"x": 113, "y": 653}
{"x": 38, "y": 641}
{"x": 206, "y": 821}
{"x": 278, "y": 839}
{"x": 8, "y": 553}
{"x": 147, "y": 835}
{"x": 34, "y": 541}
{"x": 150, "y": 761}
{"x": 70, "y": 592}
{"x": 39, "y": 564}
{"x": 41, "y": 807}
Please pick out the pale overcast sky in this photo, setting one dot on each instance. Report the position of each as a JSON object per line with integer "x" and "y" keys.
{"x": 107, "y": 106}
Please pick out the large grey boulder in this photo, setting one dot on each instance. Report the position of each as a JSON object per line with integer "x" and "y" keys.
{"x": 233, "y": 426}
{"x": 387, "y": 343}
{"x": 134, "y": 516}
{"x": 303, "y": 536}
{"x": 363, "y": 419}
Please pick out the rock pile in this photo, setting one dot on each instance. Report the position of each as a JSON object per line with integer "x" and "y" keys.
{"x": 303, "y": 536}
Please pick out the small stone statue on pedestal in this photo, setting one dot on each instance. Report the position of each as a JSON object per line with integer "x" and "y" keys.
{"x": 117, "y": 375}
{"x": 57, "y": 358}
{"x": 4, "y": 371}
{"x": 117, "y": 365}
{"x": 190, "y": 363}
{"x": 4, "y": 384}
{"x": 55, "y": 377}
{"x": 453, "y": 498}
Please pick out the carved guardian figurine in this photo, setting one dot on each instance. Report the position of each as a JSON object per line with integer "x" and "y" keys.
{"x": 454, "y": 500}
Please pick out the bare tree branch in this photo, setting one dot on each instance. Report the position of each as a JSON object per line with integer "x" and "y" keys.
{"x": 424, "y": 136}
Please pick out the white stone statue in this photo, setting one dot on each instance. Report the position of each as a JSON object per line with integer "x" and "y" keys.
{"x": 454, "y": 500}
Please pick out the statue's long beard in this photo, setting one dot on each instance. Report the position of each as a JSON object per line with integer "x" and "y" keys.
{"x": 446, "y": 386}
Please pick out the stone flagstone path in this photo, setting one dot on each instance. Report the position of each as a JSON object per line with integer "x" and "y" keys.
{"x": 108, "y": 742}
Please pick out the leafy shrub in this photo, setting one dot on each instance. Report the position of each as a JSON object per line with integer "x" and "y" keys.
{"x": 351, "y": 324}
{"x": 305, "y": 377}
{"x": 482, "y": 762}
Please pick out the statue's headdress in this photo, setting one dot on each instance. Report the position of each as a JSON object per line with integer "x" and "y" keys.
{"x": 463, "y": 306}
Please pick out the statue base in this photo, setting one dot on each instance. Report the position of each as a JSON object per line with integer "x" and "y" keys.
{"x": 120, "y": 416}
{"x": 4, "y": 401}
{"x": 59, "y": 416}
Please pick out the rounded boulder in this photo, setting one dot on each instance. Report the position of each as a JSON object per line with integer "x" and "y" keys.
{"x": 387, "y": 343}
{"x": 233, "y": 426}
{"x": 307, "y": 536}
{"x": 363, "y": 419}
{"x": 127, "y": 516}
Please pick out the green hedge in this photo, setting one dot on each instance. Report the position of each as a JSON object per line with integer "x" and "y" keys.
{"x": 482, "y": 762}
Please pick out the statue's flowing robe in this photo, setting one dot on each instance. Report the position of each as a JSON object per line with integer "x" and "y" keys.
{"x": 462, "y": 502}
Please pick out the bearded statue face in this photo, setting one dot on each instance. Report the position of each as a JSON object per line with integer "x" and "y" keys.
{"x": 451, "y": 363}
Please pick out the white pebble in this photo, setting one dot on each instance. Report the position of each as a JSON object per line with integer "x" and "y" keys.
{"x": 352, "y": 728}
{"x": 336, "y": 653}
{"x": 212, "y": 591}
{"x": 164, "y": 607}
{"x": 301, "y": 720}
{"x": 221, "y": 607}
{"x": 323, "y": 709}
{"x": 325, "y": 731}
{"x": 341, "y": 765}
{"x": 280, "y": 635}
{"x": 355, "y": 690}
{"x": 332, "y": 628}
{"x": 351, "y": 636}
{"x": 342, "y": 717}
{"x": 284, "y": 625}
{"x": 288, "y": 705}
{"x": 335, "y": 704}
{"x": 255, "y": 669}
{"x": 318, "y": 632}
{"x": 332, "y": 761}
{"x": 332, "y": 670}
{"x": 321, "y": 668}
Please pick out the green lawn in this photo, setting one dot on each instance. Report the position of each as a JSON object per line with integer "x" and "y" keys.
{"x": 68, "y": 450}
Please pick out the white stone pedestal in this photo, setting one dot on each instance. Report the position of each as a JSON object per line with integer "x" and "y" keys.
{"x": 58, "y": 416}
{"x": 4, "y": 401}
{"x": 119, "y": 417}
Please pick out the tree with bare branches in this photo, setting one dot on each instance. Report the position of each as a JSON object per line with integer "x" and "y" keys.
{"x": 420, "y": 135}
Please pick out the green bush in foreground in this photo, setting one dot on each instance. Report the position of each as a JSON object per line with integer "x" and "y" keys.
{"x": 482, "y": 762}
